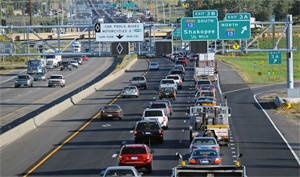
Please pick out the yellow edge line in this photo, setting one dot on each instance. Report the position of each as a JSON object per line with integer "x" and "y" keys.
{"x": 52, "y": 93}
{"x": 56, "y": 149}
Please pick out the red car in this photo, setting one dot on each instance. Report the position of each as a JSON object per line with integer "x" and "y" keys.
{"x": 84, "y": 57}
{"x": 183, "y": 59}
{"x": 137, "y": 155}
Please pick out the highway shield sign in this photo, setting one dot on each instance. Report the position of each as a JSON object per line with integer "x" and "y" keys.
{"x": 231, "y": 30}
{"x": 197, "y": 29}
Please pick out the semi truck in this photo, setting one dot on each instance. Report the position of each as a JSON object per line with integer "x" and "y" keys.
{"x": 36, "y": 65}
{"x": 210, "y": 121}
{"x": 52, "y": 61}
{"x": 206, "y": 67}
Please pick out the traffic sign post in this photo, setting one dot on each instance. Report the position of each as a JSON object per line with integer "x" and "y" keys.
{"x": 275, "y": 58}
{"x": 205, "y": 13}
{"x": 233, "y": 30}
{"x": 197, "y": 29}
{"x": 238, "y": 16}
{"x": 119, "y": 32}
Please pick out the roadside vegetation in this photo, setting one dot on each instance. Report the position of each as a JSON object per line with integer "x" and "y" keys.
{"x": 244, "y": 63}
{"x": 123, "y": 62}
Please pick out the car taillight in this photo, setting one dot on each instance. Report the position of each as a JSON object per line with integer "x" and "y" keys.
{"x": 159, "y": 93}
{"x": 175, "y": 85}
{"x": 198, "y": 86}
{"x": 174, "y": 93}
{"x": 179, "y": 81}
{"x": 216, "y": 161}
{"x": 169, "y": 106}
{"x": 135, "y": 132}
{"x": 214, "y": 147}
{"x": 117, "y": 111}
{"x": 193, "y": 147}
{"x": 135, "y": 91}
{"x": 164, "y": 119}
{"x": 159, "y": 131}
{"x": 142, "y": 118}
{"x": 122, "y": 91}
{"x": 193, "y": 161}
{"x": 168, "y": 110}
{"x": 144, "y": 81}
{"x": 103, "y": 112}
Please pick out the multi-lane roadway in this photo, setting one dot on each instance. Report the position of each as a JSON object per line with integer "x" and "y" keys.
{"x": 58, "y": 149}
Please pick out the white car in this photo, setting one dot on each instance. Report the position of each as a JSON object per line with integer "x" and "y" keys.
{"x": 74, "y": 63}
{"x": 154, "y": 65}
{"x": 121, "y": 171}
{"x": 168, "y": 83}
{"x": 156, "y": 114}
{"x": 176, "y": 78}
{"x": 56, "y": 79}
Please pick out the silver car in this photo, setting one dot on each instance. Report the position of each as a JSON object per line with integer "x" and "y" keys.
{"x": 24, "y": 80}
{"x": 39, "y": 76}
{"x": 204, "y": 143}
{"x": 169, "y": 104}
{"x": 79, "y": 60}
{"x": 121, "y": 171}
{"x": 56, "y": 80}
{"x": 74, "y": 63}
{"x": 130, "y": 91}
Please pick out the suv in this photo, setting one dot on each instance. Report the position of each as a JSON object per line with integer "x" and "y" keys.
{"x": 178, "y": 72}
{"x": 138, "y": 155}
{"x": 23, "y": 80}
{"x": 176, "y": 78}
{"x": 167, "y": 92}
{"x": 158, "y": 105}
{"x": 139, "y": 81}
{"x": 168, "y": 83}
{"x": 156, "y": 114}
{"x": 121, "y": 171}
{"x": 66, "y": 65}
{"x": 56, "y": 79}
{"x": 201, "y": 82}
{"x": 148, "y": 130}
{"x": 168, "y": 103}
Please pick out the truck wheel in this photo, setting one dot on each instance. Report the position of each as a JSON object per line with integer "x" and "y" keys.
{"x": 174, "y": 98}
{"x": 31, "y": 85}
{"x": 16, "y": 86}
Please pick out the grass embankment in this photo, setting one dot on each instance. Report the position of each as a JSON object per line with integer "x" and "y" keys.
{"x": 123, "y": 62}
{"x": 244, "y": 63}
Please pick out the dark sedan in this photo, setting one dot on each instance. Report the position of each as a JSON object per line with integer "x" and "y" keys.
{"x": 205, "y": 157}
{"x": 111, "y": 111}
{"x": 146, "y": 130}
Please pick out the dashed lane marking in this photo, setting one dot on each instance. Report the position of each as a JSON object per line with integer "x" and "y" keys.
{"x": 114, "y": 155}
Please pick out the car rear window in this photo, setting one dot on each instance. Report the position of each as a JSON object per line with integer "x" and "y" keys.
{"x": 153, "y": 113}
{"x": 119, "y": 172}
{"x": 203, "y": 94}
{"x": 176, "y": 72}
{"x": 23, "y": 77}
{"x": 147, "y": 125}
{"x": 173, "y": 77}
{"x": 137, "y": 78}
{"x": 110, "y": 107}
{"x": 167, "y": 81}
{"x": 153, "y": 63}
{"x": 204, "y": 153}
{"x": 158, "y": 106}
{"x": 204, "y": 141}
{"x": 129, "y": 88}
{"x": 55, "y": 77}
{"x": 134, "y": 150}
{"x": 167, "y": 89}
{"x": 203, "y": 82}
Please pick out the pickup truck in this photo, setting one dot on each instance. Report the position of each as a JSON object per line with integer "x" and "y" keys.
{"x": 139, "y": 81}
{"x": 23, "y": 80}
{"x": 168, "y": 83}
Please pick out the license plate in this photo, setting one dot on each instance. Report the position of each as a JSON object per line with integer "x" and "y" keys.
{"x": 204, "y": 161}
{"x": 109, "y": 115}
{"x": 167, "y": 93}
{"x": 147, "y": 133}
{"x": 134, "y": 158}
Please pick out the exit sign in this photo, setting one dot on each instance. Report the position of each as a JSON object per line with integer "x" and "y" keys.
{"x": 238, "y": 16}
{"x": 205, "y": 13}
{"x": 275, "y": 58}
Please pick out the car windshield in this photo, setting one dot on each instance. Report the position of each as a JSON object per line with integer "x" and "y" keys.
{"x": 34, "y": 62}
{"x": 153, "y": 113}
{"x": 147, "y": 125}
{"x": 50, "y": 56}
{"x": 110, "y": 107}
{"x": 167, "y": 82}
{"x": 129, "y": 88}
{"x": 56, "y": 77}
{"x": 137, "y": 78}
{"x": 158, "y": 105}
{"x": 173, "y": 77}
{"x": 153, "y": 63}
{"x": 73, "y": 61}
{"x": 134, "y": 150}
{"x": 205, "y": 98}
{"x": 23, "y": 77}
{"x": 202, "y": 94}
{"x": 204, "y": 141}
{"x": 176, "y": 72}
{"x": 120, "y": 172}
{"x": 167, "y": 89}
{"x": 204, "y": 153}
{"x": 39, "y": 74}
{"x": 65, "y": 63}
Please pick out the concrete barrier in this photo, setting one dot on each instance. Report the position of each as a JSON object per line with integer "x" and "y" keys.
{"x": 22, "y": 129}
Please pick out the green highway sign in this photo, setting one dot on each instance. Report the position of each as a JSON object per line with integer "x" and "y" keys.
{"x": 112, "y": 4}
{"x": 238, "y": 16}
{"x": 199, "y": 29}
{"x": 177, "y": 32}
{"x": 275, "y": 58}
{"x": 205, "y": 13}
{"x": 128, "y": 4}
{"x": 231, "y": 30}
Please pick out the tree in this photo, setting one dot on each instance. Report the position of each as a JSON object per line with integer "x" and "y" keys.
{"x": 294, "y": 10}
{"x": 281, "y": 10}
{"x": 10, "y": 11}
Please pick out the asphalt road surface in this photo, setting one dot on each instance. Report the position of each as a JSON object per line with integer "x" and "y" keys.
{"x": 94, "y": 148}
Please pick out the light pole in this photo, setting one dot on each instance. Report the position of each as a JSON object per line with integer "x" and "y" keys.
{"x": 164, "y": 12}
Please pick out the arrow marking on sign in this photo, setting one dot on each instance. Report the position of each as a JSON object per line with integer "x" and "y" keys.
{"x": 275, "y": 60}
{"x": 119, "y": 36}
{"x": 244, "y": 29}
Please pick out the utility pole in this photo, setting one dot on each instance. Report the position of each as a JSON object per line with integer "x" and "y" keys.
{"x": 30, "y": 13}
{"x": 198, "y": 5}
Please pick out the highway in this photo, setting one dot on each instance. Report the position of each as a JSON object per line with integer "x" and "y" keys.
{"x": 20, "y": 104}
{"x": 94, "y": 148}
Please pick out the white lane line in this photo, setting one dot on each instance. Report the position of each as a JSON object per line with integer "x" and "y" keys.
{"x": 114, "y": 155}
{"x": 7, "y": 99}
{"x": 232, "y": 148}
{"x": 233, "y": 152}
{"x": 19, "y": 95}
{"x": 231, "y": 144}
{"x": 184, "y": 121}
{"x": 286, "y": 142}
{"x": 234, "y": 156}
{"x": 231, "y": 140}
{"x": 131, "y": 131}
{"x": 182, "y": 130}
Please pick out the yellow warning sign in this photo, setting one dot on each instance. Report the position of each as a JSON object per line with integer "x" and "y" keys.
{"x": 184, "y": 4}
{"x": 236, "y": 46}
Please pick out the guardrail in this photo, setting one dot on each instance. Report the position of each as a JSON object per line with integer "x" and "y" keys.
{"x": 282, "y": 102}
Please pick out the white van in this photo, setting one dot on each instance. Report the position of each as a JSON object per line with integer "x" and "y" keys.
{"x": 156, "y": 114}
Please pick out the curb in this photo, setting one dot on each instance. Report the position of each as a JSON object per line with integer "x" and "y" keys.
{"x": 33, "y": 123}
